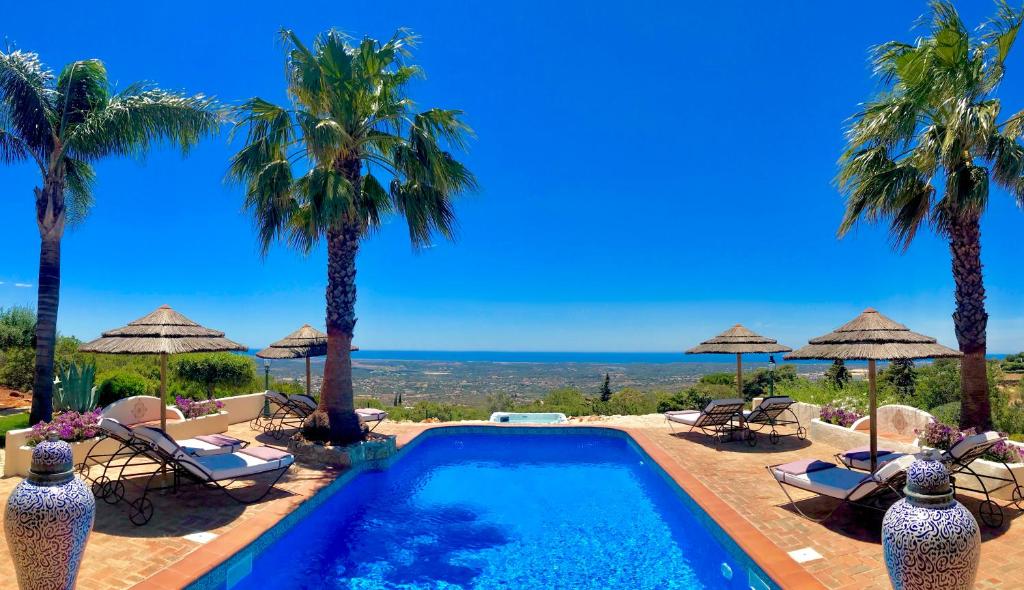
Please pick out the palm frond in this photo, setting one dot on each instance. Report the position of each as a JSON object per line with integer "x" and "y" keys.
{"x": 78, "y": 197}
{"x": 82, "y": 89}
{"x": 12, "y": 147}
{"x": 140, "y": 116}
{"x": 25, "y": 91}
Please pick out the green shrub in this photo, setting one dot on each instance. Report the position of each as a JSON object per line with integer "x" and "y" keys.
{"x": 937, "y": 384}
{"x": 718, "y": 379}
{"x": 214, "y": 370}
{"x": 17, "y": 327}
{"x": 17, "y": 368}
{"x": 695, "y": 398}
{"x": 1013, "y": 363}
{"x": 500, "y": 402}
{"x": 632, "y": 402}
{"x": 121, "y": 384}
{"x": 948, "y": 413}
{"x": 1009, "y": 418}
{"x": 759, "y": 383}
{"x": 569, "y": 401}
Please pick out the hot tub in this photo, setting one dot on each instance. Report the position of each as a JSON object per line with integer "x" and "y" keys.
{"x": 529, "y": 418}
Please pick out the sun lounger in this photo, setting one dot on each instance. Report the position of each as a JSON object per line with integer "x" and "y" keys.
{"x": 958, "y": 458}
{"x": 772, "y": 412}
{"x": 132, "y": 452}
{"x": 217, "y": 470}
{"x": 720, "y": 418}
{"x": 374, "y": 415}
{"x": 365, "y": 414}
{"x": 285, "y": 411}
{"x": 846, "y": 485}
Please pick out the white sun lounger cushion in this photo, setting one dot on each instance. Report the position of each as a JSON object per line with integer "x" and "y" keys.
{"x": 238, "y": 465}
{"x": 115, "y": 429}
{"x": 371, "y": 414}
{"x": 968, "y": 444}
{"x": 837, "y": 482}
{"x": 688, "y": 417}
{"x": 200, "y": 448}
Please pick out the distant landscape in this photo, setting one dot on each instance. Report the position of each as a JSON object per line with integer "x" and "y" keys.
{"x": 469, "y": 377}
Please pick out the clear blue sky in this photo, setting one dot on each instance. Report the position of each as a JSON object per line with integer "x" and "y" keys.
{"x": 652, "y": 173}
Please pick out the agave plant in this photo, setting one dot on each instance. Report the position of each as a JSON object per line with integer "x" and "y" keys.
{"x": 74, "y": 389}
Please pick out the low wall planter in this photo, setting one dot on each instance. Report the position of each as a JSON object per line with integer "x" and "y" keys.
{"x": 19, "y": 457}
{"x": 843, "y": 438}
{"x": 374, "y": 450}
{"x": 193, "y": 427}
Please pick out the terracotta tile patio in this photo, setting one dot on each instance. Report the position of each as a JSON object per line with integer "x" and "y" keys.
{"x": 120, "y": 555}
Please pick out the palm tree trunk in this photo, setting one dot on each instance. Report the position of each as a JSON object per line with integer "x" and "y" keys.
{"x": 970, "y": 321}
{"x": 338, "y": 398}
{"x": 50, "y": 219}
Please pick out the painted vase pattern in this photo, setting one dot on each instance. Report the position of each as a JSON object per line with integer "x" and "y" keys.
{"x": 930, "y": 540}
{"x": 48, "y": 519}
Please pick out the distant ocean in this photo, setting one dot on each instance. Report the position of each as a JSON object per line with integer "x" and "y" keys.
{"x": 489, "y": 356}
{"x": 498, "y": 356}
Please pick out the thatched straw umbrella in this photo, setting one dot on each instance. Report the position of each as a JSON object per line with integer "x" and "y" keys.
{"x": 739, "y": 341}
{"x": 306, "y": 342}
{"x": 163, "y": 332}
{"x": 872, "y": 337}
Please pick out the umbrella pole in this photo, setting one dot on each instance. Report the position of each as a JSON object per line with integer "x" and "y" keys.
{"x": 739, "y": 374}
{"x": 872, "y": 411}
{"x": 309, "y": 387}
{"x": 163, "y": 391}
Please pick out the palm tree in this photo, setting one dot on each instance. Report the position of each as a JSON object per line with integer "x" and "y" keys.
{"x": 923, "y": 151}
{"x": 64, "y": 125}
{"x": 362, "y": 152}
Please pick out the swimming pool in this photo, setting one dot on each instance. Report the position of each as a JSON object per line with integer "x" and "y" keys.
{"x": 487, "y": 508}
{"x": 529, "y": 417}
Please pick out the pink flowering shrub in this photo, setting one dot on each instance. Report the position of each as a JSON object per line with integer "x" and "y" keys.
{"x": 943, "y": 436}
{"x": 196, "y": 409}
{"x": 68, "y": 426}
{"x": 838, "y": 415}
{"x": 940, "y": 436}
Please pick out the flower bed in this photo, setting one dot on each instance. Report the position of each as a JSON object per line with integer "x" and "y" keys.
{"x": 838, "y": 415}
{"x": 943, "y": 436}
{"x": 69, "y": 426}
{"x": 191, "y": 408}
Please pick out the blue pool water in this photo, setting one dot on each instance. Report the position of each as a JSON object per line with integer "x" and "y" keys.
{"x": 512, "y": 509}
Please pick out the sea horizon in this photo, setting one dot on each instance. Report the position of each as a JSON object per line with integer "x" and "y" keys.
{"x": 503, "y": 356}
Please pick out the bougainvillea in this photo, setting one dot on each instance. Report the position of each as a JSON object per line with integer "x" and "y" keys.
{"x": 838, "y": 415}
{"x": 69, "y": 426}
{"x": 195, "y": 409}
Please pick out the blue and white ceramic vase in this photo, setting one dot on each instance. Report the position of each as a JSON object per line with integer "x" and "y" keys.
{"x": 930, "y": 540}
{"x": 48, "y": 520}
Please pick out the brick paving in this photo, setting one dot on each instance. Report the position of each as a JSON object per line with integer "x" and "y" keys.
{"x": 120, "y": 555}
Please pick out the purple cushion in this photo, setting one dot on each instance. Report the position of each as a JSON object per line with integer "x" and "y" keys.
{"x": 265, "y": 453}
{"x": 805, "y": 466}
{"x": 864, "y": 453}
{"x": 220, "y": 440}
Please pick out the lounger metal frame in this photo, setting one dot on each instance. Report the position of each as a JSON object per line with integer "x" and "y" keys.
{"x": 131, "y": 452}
{"x": 991, "y": 513}
{"x": 720, "y": 422}
{"x": 770, "y": 417}
{"x": 872, "y": 501}
{"x": 284, "y": 414}
{"x": 140, "y": 510}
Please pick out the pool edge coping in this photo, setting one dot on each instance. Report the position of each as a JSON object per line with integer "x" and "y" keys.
{"x": 775, "y": 562}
